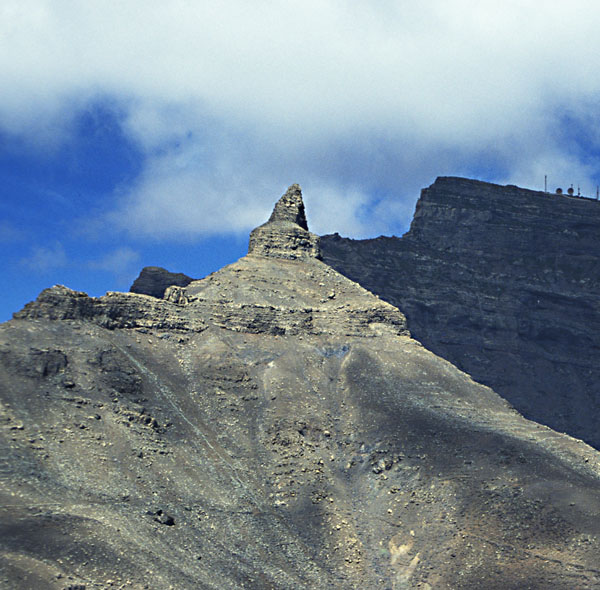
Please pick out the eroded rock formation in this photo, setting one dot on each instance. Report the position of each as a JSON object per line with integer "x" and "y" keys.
{"x": 286, "y": 233}
{"x": 273, "y": 426}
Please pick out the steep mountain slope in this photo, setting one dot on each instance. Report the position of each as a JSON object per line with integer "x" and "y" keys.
{"x": 504, "y": 283}
{"x": 273, "y": 426}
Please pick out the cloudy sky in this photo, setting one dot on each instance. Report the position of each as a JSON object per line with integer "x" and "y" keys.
{"x": 146, "y": 132}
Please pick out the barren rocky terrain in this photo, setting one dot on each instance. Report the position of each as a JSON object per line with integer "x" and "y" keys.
{"x": 272, "y": 426}
{"x": 504, "y": 283}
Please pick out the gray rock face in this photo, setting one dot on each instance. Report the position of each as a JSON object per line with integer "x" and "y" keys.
{"x": 154, "y": 280}
{"x": 290, "y": 208}
{"x": 272, "y": 426}
{"x": 286, "y": 233}
{"x": 504, "y": 283}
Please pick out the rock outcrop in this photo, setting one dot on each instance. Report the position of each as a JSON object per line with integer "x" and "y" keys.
{"x": 154, "y": 280}
{"x": 503, "y": 282}
{"x": 255, "y": 295}
{"x": 272, "y": 426}
{"x": 286, "y": 233}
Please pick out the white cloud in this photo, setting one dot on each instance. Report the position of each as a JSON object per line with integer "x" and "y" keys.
{"x": 122, "y": 262}
{"x": 344, "y": 210}
{"x": 44, "y": 259}
{"x": 178, "y": 198}
{"x": 231, "y": 101}
{"x": 118, "y": 260}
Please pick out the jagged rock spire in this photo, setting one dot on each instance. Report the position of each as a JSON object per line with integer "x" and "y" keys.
{"x": 286, "y": 233}
{"x": 290, "y": 208}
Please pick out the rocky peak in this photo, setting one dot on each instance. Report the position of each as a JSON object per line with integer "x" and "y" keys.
{"x": 286, "y": 233}
{"x": 278, "y": 403}
{"x": 290, "y": 208}
{"x": 261, "y": 293}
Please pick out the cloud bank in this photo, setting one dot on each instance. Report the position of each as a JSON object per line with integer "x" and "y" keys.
{"x": 361, "y": 103}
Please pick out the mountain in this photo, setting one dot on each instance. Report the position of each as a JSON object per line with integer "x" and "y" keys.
{"x": 272, "y": 426}
{"x": 504, "y": 283}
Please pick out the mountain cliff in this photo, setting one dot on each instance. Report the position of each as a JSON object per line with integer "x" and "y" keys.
{"x": 272, "y": 426}
{"x": 504, "y": 283}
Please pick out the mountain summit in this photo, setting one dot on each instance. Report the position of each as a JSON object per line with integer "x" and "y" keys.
{"x": 272, "y": 426}
{"x": 290, "y": 208}
{"x": 286, "y": 233}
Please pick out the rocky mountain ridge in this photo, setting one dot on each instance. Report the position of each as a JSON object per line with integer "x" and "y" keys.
{"x": 503, "y": 282}
{"x": 272, "y": 426}
{"x": 285, "y": 234}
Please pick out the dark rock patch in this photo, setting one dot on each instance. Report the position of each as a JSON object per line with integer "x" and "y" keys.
{"x": 154, "y": 280}
{"x": 503, "y": 282}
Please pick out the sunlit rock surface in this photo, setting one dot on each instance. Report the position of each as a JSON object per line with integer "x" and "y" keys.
{"x": 272, "y": 426}
{"x": 286, "y": 233}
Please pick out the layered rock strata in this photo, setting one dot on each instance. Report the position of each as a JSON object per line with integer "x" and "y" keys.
{"x": 504, "y": 283}
{"x": 286, "y": 235}
{"x": 273, "y": 426}
{"x": 257, "y": 295}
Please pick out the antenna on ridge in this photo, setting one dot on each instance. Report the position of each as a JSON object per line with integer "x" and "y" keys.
{"x": 545, "y": 183}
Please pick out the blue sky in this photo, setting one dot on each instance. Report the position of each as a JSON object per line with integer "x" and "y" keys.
{"x": 138, "y": 133}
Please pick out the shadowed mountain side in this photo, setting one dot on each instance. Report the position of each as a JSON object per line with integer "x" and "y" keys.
{"x": 272, "y": 426}
{"x": 502, "y": 282}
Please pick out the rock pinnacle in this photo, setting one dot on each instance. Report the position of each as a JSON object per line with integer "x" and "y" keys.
{"x": 286, "y": 233}
{"x": 290, "y": 208}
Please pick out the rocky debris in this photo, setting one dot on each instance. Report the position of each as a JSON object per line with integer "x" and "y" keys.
{"x": 277, "y": 420}
{"x": 260, "y": 295}
{"x": 117, "y": 373}
{"x": 34, "y": 362}
{"x": 154, "y": 281}
{"x": 285, "y": 234}
{"x": 162, "y": 517}
{"x": 504, "y": 283}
